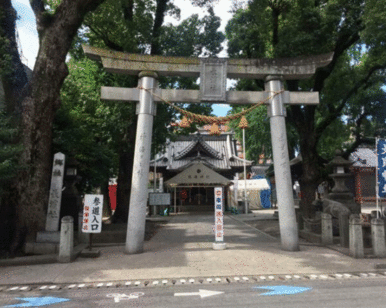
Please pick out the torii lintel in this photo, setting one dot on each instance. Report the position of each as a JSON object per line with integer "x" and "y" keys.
{"x": 133, "y": 64}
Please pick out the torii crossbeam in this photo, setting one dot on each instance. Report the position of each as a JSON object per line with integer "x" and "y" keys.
{"x": 213, "y": 73}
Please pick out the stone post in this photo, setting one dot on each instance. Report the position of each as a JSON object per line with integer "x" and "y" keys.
{"x": 137, "y": 214}
{"x": 327, "y": 236}
{"x": 378, "y": 237}
{"x": 287, "y": 218}
{"x": 344, "y": 230}
{"x": 66, "y": 245}
{"x": 55, "y": 197}
{"x": 83, "y": 238}
{"x": 356, "y": 237}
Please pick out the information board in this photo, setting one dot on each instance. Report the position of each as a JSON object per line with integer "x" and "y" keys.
{"x": 92, "y": 214}
{"x": 159, "y": 199}
{"x": 218, "y": 214}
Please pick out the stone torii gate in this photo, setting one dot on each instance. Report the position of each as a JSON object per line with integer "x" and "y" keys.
{"x": 213, "y": 73}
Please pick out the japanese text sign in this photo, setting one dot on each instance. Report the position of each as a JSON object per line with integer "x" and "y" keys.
{"x": 218, "y": 215}
{"x": 381, "y": 156}
{"x": 92, "y": 214}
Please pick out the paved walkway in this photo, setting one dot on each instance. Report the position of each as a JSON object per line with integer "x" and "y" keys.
{"x": 182, "y": 248}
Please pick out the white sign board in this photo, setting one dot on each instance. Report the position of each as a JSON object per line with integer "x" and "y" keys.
{"x": 92, "y": 214}
{"x": 55, "y": 198}
{"x": 257, "y": 184}
{"x": 159, "y": 199}
{"x": 218, "y": 215}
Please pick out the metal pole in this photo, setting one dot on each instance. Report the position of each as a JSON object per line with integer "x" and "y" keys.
{"x": 155, "y": 181}
{"x": 137, "y": 214}
{"x": 245, "y": 175}
{"x": 155, "y": 171}
{"x": 175, "y": 199}
{"x": 286, "y": 205}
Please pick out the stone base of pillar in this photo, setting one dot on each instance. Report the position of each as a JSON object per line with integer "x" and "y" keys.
{"x": 219, "y": 246}
{"x": 93, "y": 253}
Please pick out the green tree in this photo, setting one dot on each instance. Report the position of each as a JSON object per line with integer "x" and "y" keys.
{"x": 142, "y": 33}
{"x": 56, "y": 27}
{"x": 349, "y": 86}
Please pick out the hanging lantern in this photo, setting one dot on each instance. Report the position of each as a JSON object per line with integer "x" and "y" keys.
{"x": 243, "y": 123}
{"x": 214, "y": 130}
{"x": 184, "y": 123}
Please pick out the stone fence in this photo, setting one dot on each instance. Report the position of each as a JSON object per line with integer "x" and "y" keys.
{"x": 356, "y": 232}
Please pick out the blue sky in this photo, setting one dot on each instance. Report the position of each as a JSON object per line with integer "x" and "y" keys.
{"x": 26, "y": 26}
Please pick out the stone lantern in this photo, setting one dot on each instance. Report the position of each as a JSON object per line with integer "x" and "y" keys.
{"x": 71, "y": 200}
{"x": 340, "y": 175}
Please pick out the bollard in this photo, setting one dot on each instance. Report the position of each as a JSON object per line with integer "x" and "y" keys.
{"x": 66, "y": 245}
{"x": 344, "y": 230}
{"x": 327, "y": 236}
{"x": 83, "y": 238}
{"x": 378, "y": 237}
{"x": 356, "y": 237}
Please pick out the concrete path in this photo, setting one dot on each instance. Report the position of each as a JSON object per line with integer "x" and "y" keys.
{"x": 182, "y": 248}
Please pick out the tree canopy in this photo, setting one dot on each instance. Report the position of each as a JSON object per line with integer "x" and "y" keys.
{"x": 351, "y": 86}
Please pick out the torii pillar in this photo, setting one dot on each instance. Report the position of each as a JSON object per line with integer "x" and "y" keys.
{"x": 213, "y": 73}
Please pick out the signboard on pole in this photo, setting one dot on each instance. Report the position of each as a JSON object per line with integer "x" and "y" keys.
{"x": 218, "y": 214}
{"x": 159, "y": 199}
{"x": 92, "y": 214}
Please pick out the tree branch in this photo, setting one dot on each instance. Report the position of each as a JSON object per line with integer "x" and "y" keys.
{"x": 110, "y": 44}
{"x": 337, "y": 111}
{"x": 158, "y": 21}
{"x": 343, "y": 42}
{"x": 358, "y": 138}
{"x": 128, "y": 10}
{"x": 37, "y": 7}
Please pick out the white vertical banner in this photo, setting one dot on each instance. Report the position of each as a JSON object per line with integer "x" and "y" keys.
{"x": 218, "y": 214}
{"x": 92, "y": 214}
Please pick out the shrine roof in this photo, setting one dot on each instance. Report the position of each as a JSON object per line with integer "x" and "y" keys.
{"x": 363, "y": 157}
{"x": 217, "y": 152}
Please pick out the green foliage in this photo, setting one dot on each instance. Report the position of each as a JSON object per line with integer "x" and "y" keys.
{"x": 81, "y": 128}
{"x": 351, "y": 98}
{"x": 9, "y": 152}
{"x": 193, "y": 37}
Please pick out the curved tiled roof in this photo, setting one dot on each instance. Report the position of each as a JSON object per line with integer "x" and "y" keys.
{"x": 364, "y": 157}
{"x": 197, "y": 145}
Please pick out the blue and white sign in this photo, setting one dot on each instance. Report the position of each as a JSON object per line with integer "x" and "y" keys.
{"x": 38, "y": 301}
{"x": 218, "y": 215}
{"x": 381, "y": 155}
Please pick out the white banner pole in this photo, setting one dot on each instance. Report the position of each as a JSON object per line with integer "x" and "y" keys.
{"x": 376, "y": 177}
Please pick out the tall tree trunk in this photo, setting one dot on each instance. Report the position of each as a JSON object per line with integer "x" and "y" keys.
{"x": 14, "y": 78}
{"x": 309, "y": 179}
{"x": 56, "y": 33}
{"x": 158, "y": 21}
{"x": 13, "y": 74}
{"x": 126, "y": 161}
{"x": 305, "y": 126}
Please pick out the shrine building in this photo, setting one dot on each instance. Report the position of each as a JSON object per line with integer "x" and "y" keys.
{"x": 192, "y": 165}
